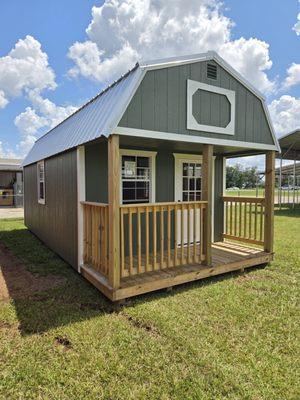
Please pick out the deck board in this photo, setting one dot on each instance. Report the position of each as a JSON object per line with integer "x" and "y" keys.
{"x": 226, "y": 257}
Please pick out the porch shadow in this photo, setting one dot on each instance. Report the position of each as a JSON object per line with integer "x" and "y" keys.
{"x": 45, "y": 294}
{"x": 51, "y": 294}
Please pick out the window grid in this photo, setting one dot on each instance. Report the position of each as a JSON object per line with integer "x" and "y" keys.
{"x": 136, "y": 179}
{"x": 191, "y": 181}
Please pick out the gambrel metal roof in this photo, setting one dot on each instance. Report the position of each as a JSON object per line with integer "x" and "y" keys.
{"x": 101, "y": 115}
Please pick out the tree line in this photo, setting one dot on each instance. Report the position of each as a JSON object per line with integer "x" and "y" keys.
{"x": 242, "y": 177}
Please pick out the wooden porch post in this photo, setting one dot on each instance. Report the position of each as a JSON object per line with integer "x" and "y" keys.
{"x": 114, "y": 211}
{"x": 207, "y": 184}
{"x": 269, "y": 201}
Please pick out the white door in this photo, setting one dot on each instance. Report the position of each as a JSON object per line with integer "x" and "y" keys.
{"x": 188, "y": 187}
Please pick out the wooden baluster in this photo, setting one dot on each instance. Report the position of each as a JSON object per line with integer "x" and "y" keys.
{"x": 261, "y": 222}
{"x": 255, "y": 221}
{"x": 105, "y": 233}
{"x": 195, "y": 232}
{"x": 169, "y": 237}
{"x": 182, "y": 235}
{"x": 188, "y": 233}
{"x": 240, "y": 219}
{"x": 122, "y": 244}
{"x": 85, "y": 234}
{"x": 250, "y": 220}
{"x": 147, "y": 238}
{"x": 201, "y": 232}
{"x": 231, "y": 212}
{"x": 245, "y": 220}
{"x": 154, "y": 237}
{"x": 162, "y": 238}
{"x": 130, "y": 241}
{"x": 235, "y": 218}
{"x": 139, "y": 247}
{"x": 175, "y": 234}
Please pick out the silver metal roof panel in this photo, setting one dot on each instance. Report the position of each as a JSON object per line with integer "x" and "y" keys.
{"x": 101, "y": 115}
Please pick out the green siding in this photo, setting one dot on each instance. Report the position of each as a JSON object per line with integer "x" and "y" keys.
{"x": 96, "y": 177}
{"x": 160, "y": 105}
{"x": 54, "y": 222}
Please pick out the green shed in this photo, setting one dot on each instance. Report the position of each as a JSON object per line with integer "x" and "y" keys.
{"x": 130, "y": 188}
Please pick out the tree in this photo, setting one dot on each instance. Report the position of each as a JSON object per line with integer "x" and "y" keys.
{"x": 242, "y": 177}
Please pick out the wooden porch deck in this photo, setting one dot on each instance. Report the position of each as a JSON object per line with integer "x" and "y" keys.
{"x": 226, "y": 257}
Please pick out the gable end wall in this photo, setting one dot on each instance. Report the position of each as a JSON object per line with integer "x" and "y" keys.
{"x": 160, "y": 104}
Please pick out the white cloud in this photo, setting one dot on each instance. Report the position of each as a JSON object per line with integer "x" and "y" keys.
{"x": 296, "y": 27}
{"x": 285, "y": 114}
{"x": 3, "y": 100}
{"x": 25, "y": 68}
{"x": 45, "y": 114}
{"x": 122, "y": 31}
{"x": 293, "y": 76}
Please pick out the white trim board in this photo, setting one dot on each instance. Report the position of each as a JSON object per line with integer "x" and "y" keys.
{"x": 191, "y": 138}
{"x": 192, "y": 88}
{"x": 80, "y": 197}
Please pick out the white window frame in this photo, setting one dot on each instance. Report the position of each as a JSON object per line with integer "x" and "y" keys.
{"x": 192, "y": 87}
{"x": 40, "y": 200}
{"x": 141, "y": 153}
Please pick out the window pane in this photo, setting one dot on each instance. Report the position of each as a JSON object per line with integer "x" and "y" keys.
{"x": 192, "y": 184}
{"x": 185, "y": 183}
{"x": 185, "y": 196}
{"x": 143, "y": 162}
{"x": 192, "y": 196}
{"x": 185, "y": 169}
{"x": 42, "y": 190}
{"x": 198, "y": 196}
{"x": 198, "y": 184}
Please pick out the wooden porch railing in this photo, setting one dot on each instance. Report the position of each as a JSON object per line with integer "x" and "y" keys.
{"x": 244, "y": 219}
{"x": 95, "y": 236}
{"x": 160, "y": 235}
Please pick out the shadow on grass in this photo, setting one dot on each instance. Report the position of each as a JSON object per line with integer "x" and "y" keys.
{"x": 47, "y": 293}
{"x": 288, "y": 212}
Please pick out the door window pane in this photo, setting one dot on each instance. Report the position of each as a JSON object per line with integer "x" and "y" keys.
{"x": 191, "y": 181}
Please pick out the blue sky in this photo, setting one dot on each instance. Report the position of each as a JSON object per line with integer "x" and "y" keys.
{"x": 257, "y": 37}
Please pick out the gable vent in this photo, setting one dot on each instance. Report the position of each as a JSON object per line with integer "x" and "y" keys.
{"x": 211, "y": 71}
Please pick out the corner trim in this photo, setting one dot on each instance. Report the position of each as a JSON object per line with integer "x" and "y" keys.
{"x": 80, "y": 197}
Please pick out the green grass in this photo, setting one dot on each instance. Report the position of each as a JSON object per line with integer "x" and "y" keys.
{"x": 245, "y": 192}
{"x": 232, "y": 337}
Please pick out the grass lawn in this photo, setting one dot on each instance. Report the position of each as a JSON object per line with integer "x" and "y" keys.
{"x": 232, "y": 337}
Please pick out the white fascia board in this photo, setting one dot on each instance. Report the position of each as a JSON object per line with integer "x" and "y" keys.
{"x": 191, "y": 138}
{"x": 266, "y": 110}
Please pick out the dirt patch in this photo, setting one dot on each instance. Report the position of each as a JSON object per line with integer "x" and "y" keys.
{"x": 141, "y": 325}
{"x": 17, "y": 282}
{"x": 63, "y": 341}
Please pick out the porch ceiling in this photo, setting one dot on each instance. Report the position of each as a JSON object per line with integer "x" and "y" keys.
{"x": 183, "y": 147}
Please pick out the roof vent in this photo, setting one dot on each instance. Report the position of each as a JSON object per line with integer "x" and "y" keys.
{"x": 211, "y": 71}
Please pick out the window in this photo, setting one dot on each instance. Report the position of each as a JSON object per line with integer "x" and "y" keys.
{"x": 211, "y": 71}
{"x": 137, "y": 177}
{"x": 41, "y": 181}
{"x": 191, "y": 181}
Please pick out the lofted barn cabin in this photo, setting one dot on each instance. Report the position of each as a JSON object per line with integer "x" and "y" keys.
{"x": 129, "y": 189}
